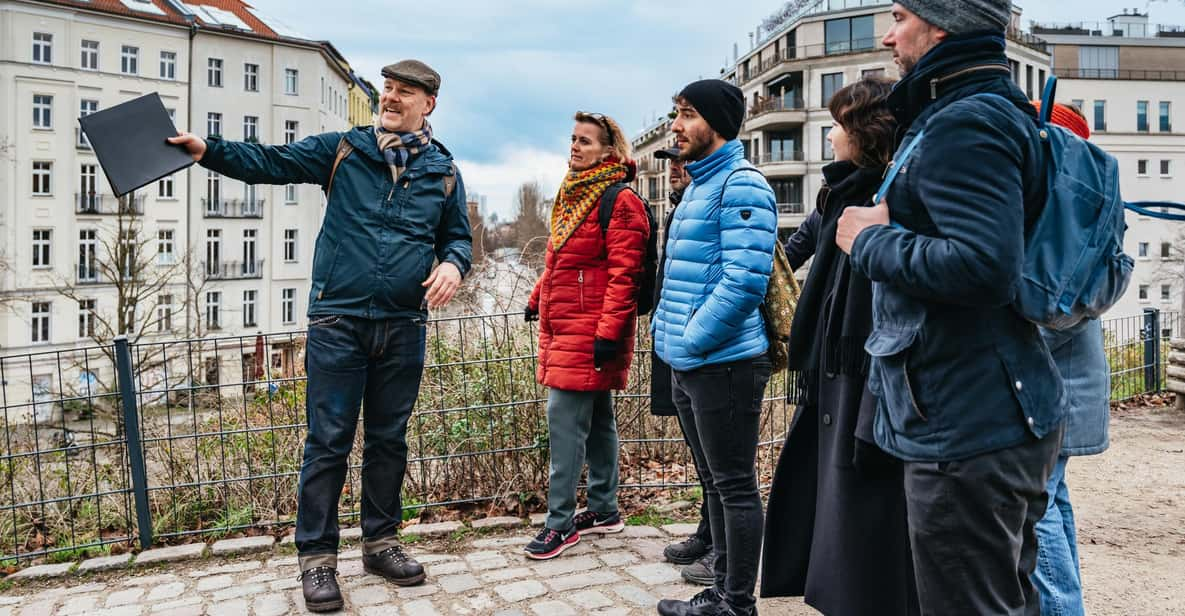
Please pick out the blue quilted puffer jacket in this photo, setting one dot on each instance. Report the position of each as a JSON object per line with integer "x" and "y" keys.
{"x": 719, "y": 256}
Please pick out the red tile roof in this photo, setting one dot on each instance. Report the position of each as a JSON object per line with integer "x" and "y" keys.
{"x": 240, "y": 10}
{"x": 116, "y": 7}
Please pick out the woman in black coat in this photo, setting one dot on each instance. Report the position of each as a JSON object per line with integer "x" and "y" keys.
{"x": 835, "y": 527}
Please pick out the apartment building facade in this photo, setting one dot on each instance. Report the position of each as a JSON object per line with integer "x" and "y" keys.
{"x": 194, "y": 254}
{"x": 1128, "y": 76}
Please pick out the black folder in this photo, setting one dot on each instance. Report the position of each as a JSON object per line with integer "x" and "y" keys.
{"x": 129, "y": 141}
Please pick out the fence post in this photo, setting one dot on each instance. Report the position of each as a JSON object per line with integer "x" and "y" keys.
{"x": 131, "y": 429}
{"x": 1151, "y": 350}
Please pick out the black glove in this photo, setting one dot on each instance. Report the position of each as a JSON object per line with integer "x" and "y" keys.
{"x": 872, "y": 461}
{"x": 530, "y": 314}
{"x": 604, "y": 351}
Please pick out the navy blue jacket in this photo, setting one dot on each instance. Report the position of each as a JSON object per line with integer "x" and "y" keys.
{"x": 379, "y": 240}
{"x": 958, "y": 371}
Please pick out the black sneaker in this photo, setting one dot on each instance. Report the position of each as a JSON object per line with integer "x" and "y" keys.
{"x": 321, "y": 592}
{"x": 393, "y": 564}
{"x": 551, "y": 543}
{"x": 686, "y": 552}
{"x": 707, "y": 603}
{"x": 589, "y": 523}
{"x": 703, "y": 571}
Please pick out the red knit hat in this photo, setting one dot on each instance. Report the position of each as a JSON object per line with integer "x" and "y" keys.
{"x": 1066, "y": 117}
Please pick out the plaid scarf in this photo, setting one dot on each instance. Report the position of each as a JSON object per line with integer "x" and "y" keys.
{"x": 579, "y": 194}
{"x": 398, "y": 148}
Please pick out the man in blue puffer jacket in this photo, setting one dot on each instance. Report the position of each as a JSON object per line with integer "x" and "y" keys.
{"x": 707, "y": 326}
{"x": 969, "y": 394}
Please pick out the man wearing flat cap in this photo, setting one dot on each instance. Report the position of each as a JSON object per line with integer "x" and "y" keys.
{"x": 394, "y": 242}
{"x": 709, "y": 329}
{"x": 969, "y": 396}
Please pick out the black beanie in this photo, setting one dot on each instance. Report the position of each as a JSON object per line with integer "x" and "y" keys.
{"x": 720, "y": 103}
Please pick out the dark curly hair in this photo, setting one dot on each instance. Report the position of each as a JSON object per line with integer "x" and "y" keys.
{"x": 863, "y": 111}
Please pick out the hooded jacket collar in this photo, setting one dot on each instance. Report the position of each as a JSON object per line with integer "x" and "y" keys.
{"x": 958, "y": 67}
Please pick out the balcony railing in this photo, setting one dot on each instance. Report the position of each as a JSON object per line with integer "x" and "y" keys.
{"x": 771, "y": 104}
{"x": 232, "y": 208}
{"x": 790, "y": 54}
{"x": 96, "y": 204}
{"x": 1107, "y": 29}
{"x": 769, "y": 158}
{"x": 1118, "y": 74}
{"x": 790, "y": 208}
{"x": 1035, "y": 43}
{"x": 233, "y": 270}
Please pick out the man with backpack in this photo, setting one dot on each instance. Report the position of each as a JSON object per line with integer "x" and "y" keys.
{"x": 709, "y": 327}
{"x": 396, "y": 206}
{"x": 969, "y": 395}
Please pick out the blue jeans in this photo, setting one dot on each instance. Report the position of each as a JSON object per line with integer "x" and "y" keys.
{"x": 1057, "y": 577}
{"x": 353, "y": 362}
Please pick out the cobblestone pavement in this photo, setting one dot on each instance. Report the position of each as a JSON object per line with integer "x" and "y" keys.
{"x": 611, "y": 575}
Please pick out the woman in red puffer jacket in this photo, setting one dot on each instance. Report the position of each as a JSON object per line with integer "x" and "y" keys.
{"x": 586, "y": 302}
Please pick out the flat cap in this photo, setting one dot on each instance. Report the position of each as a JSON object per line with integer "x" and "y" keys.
{"x": 415, "y": 73}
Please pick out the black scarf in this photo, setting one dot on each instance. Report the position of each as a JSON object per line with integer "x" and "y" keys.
{"x": 834, "y": 314}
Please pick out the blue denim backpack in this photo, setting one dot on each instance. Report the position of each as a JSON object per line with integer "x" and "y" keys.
{"x": 1074, "y": 265}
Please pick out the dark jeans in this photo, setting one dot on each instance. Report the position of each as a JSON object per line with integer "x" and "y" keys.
{"x": 720, "y": 410}
{"x": 971, "y": 528}
{"x": 703, "y": 532}
{"x": 351, "y": 362}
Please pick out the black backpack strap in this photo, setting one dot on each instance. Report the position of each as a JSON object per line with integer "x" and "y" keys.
{"x": 608, "y": 200}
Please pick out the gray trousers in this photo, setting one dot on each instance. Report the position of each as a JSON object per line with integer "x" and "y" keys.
{"x": 581, "y": 425}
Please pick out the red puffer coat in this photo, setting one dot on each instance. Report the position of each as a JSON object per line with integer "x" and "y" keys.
{"x": 589, "y": 290}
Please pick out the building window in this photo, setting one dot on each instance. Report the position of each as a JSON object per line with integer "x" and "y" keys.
{"x": 165, "y": 188}
{"x": 850, "y": 34}
{"x": 1143, "y": 293}
{"x": 213, "y": 251}
{"x": 251, "y": 77}
{"x": 249, "y": 308}
{"x": 1166, "y": 120}
{"x": 213, "y": 193}
{"x": 213, "y": 124}
{"x": 290, "y": 81}
{"x": 1100, "y": 115}
{"x": 214, "y": 72}
{"x": 86, "y": 318}
{"x": 88, "y": 199}
{"x": 1041, "y": 80}
{"x": 828, "y": 153}
{"x": 164, "y": 314}
{"x": 1142, "y": 250}
{"x": 42, "y": 48}
{"x": 290, "y": 245}
{"x": 88, "y": 254}
{"x": 1142, "y": 116}
{"x": 1166, "y": 292}
{"x": 1015, "y": 67}
{"x": 290, "y": 130}
{"x": 40, "y": 322}
{"x": 1142, "y": 167}
{"x": 85, "y": 108}
{"x": 250, "y": 266}
{"x": 290, "y": 194}
{"x": 166, "y": 255}
{"x": 90, "y": 56}
{"x": 129, "y": 321}
{"x": 42, "y": 178}
{"x": 41, "y": 247}
{"x": 1166, "y": 250}
{"x": 129, "y": 60}
{"x": 1029, "y": 81}
{"x": 1165, "y": 169}
{"x": 872, "y": 72}
{"x": 168, "y": 65}
{"x": 831, "y": 83}
{"x": 42, "y": 111}
{"x": 214, "y": 309}
{"x": 128, "y": 245}
{"x": 288, "y": 306}
{"x": 251, "y": 129}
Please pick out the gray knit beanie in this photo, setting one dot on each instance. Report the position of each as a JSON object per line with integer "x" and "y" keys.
{"x": 963, "y": 16}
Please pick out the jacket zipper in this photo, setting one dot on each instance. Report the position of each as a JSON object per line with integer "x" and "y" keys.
{"x": 580, "y": 280}
{"x": 986, "y": 67}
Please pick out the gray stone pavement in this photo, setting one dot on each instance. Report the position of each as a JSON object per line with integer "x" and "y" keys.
{"x": 619, "y": 574}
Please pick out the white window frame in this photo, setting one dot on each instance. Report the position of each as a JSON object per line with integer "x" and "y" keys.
{"x": 250, "y": 308}
{"x": 86, "y": 318}
{"x": 1142, "y": 293}
{"x": 166, "y": 189}
{"x": 1142, "y": 173}
{"x": 1166, "y": 168}
{"x": 166, "y": 253}
{"x": 164, "y": 313}
{"x": 42, "y": 112}
{"x": 1142, "y": 250}
{"x": 129, "y": 60}
{"x": 86, "y": 107}
{"x": 168, "y": 65}
{"x": 291, "y": 131}
{"x": 42, "y": 248}
{"x": 214, "y": 72}
{"x": 41, "y": 315}
{"x": 88, "y": 255}
{"x": 250, "y": 128}
{"x": 213, "y": 310}
{"x": 288, "y": 306}
{"x": 88, "y": 55}
{"x": 291, "y": 82}
{"x": 1166, "y": 292}
{"x": 250, "y": 77}
{"x": 213, "y": 121}
{"x": 42, "y": 178}
{"x": 290, "y": 245}
{"x": 42, "y": 48}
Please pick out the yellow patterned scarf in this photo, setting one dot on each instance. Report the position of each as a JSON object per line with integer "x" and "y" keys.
{"x": 579, "y": 194}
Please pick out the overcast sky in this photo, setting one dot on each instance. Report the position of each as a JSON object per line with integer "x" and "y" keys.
{"x": 514, "y": 71}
